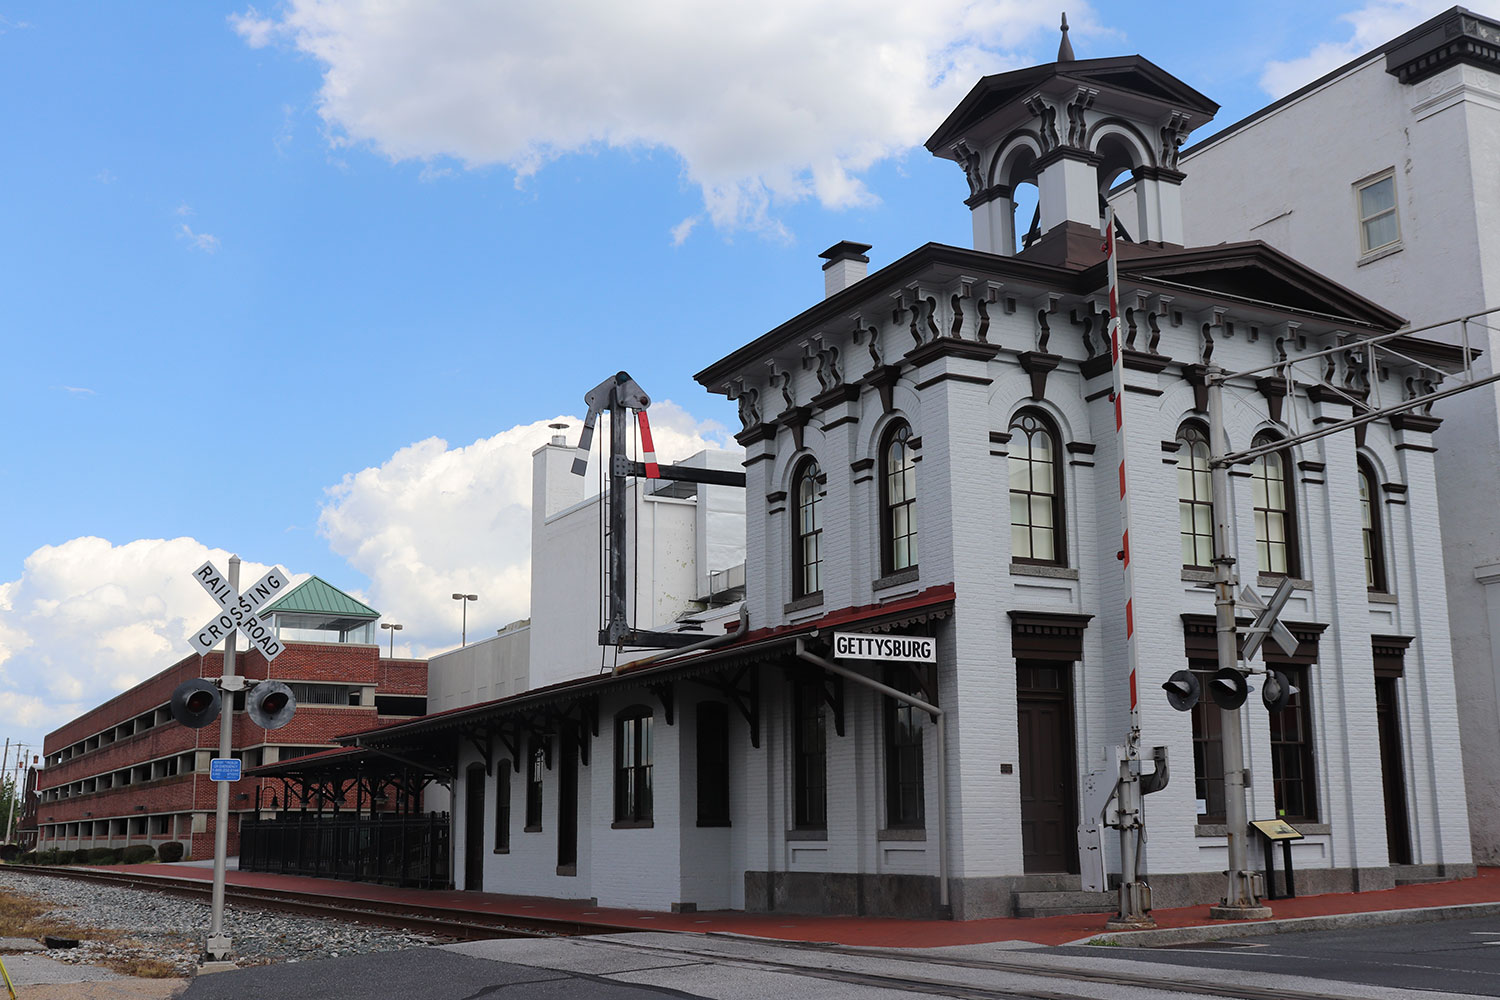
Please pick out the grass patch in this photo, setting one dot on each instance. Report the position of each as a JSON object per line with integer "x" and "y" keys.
{"x": 23, "y": 916}
{"x": 143, "y": 968}
{"x": 1103, "y": 942}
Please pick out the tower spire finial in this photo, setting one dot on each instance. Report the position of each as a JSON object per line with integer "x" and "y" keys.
{"x": 1065, "y": 47}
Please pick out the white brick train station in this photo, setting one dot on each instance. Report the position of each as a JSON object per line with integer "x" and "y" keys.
{"x": 930, "y": 452}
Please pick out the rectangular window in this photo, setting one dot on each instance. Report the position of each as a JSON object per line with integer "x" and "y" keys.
{"x": 633, "y": 768}
{"x": 810, "y": 754}
{"x": 502, "y": 807}
{"x": 535, "y": 769}
{"x": 1292, "y": 772}
{"x": 1378, "y": 224}
{"x": 713, "y": 764}
{"x": 904, "y": 797}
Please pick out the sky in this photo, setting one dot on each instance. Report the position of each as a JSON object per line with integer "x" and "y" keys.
{"x": 306, "y": 281}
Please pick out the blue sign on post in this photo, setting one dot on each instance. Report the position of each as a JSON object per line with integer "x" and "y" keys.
{"x": 224, "y": 769}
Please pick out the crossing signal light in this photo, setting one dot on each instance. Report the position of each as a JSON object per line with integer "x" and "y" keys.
{"x": 270, "y": 704}
{"x": 1183, "y": 690}
{"x": 1277, "y": 691}
{"x": 1228, "y": 688}
{"x": 195, "y": 703}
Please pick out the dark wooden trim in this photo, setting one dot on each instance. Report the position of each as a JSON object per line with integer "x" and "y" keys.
{"x": 1041, "y": 635}
{"x": 955, "y": 377}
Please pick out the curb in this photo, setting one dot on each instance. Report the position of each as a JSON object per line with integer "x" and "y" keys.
{"x": 1167, "y": 936}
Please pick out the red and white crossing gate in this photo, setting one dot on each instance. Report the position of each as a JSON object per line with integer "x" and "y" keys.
{"x": 238, "y": 611}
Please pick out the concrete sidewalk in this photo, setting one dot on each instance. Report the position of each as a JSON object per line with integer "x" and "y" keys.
{"x": 1437, "y": 900}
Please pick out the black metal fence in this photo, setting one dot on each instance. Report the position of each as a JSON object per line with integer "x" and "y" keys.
{"x": 395, "y": 850}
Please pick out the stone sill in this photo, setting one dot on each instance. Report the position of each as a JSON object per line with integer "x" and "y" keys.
{"x": 807, "y": 835}
{"x": 1380, "y": 253}
{"x": 1190, "y": 575}
{"x": 895, "y": 579}
{"x": 1274, "y": 580}
{"x": 903, "y": 833}
{"x": 1043, "y": 570}
{"x": 1377, "y": 597}
{"x": 1222, "y": 830}
{"x": 803, "y": 603}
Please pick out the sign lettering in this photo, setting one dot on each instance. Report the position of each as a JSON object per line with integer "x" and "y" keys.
{"x": 239, "y": 611}
{"x": 906, "y": 648}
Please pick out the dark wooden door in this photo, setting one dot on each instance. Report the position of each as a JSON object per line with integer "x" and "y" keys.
{"x": 474, "y": 780}
{"x": 567, "y": 808}
{"x": 1392, "y": 773}
{"x": 1044, "y": 710}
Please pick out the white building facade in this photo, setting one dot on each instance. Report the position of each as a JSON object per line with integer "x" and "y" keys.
{"x": 931, "y": 453}
{"x": 1382, "y": 175}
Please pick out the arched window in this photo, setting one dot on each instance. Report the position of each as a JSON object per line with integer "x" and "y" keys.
{"x": 1275, "y": 513}
{"x": 1195, "y": 509}
{"x": 1370, "y": 520}
{"x": 633, "y": 766}
{"x": 1036, "y": 511}
{"x": 807, "y": 541}
{"x": 898, "y": 501}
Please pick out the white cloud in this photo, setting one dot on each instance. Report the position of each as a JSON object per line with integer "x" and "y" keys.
{"x": 683, "y": 229}
{"x": 206, "y": 242}
{"x": 87, "y": 619}
{"x": 765, "y": 103}
{"x": 1373, "y": 24}
{"x": 183, "y": 209}
{"x": 435, "y": 520}
{"x": 77, "y": 390}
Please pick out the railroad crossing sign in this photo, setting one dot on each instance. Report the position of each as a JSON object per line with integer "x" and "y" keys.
{"x": 1267, "y": 623}
{"x": 238, "y": 611}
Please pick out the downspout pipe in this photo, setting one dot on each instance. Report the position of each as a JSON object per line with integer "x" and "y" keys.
{"x": 938, "y": 716}
{"x": 709, "y": 643}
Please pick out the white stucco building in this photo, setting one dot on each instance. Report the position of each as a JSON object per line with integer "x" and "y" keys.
{"x": 931, "y": 454}
{"x": 1383, "y": 176}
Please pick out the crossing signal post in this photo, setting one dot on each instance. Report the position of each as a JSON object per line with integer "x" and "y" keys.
{"x": 198, "y": 702}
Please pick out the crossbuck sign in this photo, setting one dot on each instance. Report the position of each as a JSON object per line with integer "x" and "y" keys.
{"x": 238, "y": 611}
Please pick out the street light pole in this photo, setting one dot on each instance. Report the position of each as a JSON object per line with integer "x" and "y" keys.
{"x": 1241, "y": 901}
{"x": 465, "y": 598}
{"x": 393, "y": 630}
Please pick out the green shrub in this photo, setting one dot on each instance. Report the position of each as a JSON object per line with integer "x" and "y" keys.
{"x": 104, "y": 856}
{"x": 78, "y": 857}
{"x": 10, "y": 852}
{"x": 29, "y": 858}
{"x": 47, "y": 857}
{"x": 139, "y": 854}
{"x": 171, "y": 851}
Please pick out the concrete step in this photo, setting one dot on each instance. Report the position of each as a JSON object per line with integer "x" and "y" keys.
{"x": 1049, "y": 904}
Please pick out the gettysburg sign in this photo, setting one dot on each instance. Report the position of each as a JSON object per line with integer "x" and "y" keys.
{"x": 238, "y": 611}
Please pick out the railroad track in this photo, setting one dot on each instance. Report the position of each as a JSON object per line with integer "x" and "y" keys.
{"x": 436, "y": 920}
{"x": 932, "y": 974}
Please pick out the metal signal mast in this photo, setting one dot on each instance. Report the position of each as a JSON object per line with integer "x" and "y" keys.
{"x": 617, "y": 394}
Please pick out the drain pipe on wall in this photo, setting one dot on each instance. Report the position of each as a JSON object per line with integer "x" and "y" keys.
{"x": 709, "y": 643}
{"x": 942, "y": 755}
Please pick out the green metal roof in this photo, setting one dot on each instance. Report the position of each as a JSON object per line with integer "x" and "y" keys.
{"x": 316, "y": 596}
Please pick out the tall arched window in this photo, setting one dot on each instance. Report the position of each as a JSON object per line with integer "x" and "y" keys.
{"x": 1275, "y": 513}
{"x": 1036, "y": 511}
{"x": 898, "y": 501}
{"x": 807, "y": 541}
{"x": 1195, "y": 509}
{"x": 1370, "y": 520}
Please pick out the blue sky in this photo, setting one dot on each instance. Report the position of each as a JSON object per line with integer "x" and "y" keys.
{"x": 305, "y": 282}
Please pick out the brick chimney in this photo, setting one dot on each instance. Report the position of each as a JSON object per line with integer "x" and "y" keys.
{"x": 847, "y": 264}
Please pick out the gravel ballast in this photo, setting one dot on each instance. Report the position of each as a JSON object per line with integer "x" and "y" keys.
{"x": 171, "y": 929}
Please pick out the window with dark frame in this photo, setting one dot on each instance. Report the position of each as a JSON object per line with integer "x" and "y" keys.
{"x": 1195, "y": 509}
{"x": 810, "y": 756}
{"x": 1370, "y": 529}
{"x": 502, "y": 807}
{"x": 633, "y": 765}
{"x": 807, "y": 547}
{"x": 1036, "y": 510}
{"x": 713, "y": 764}
{"x": 898, "y": 501}
{"x": 536, "y": 767}
{"x": 1208, "y": 746}
{"x": 905, "y": 801}
{"x": 1292, "y": 769}
{"x": 1275, "y": 512}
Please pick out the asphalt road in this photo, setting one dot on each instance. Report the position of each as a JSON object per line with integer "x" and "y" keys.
{"x": 1450, "y": 960}
{"x": 1460, "y": 956}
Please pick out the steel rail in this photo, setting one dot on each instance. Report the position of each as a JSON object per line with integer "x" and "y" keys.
{"x": 463, "y": 924}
